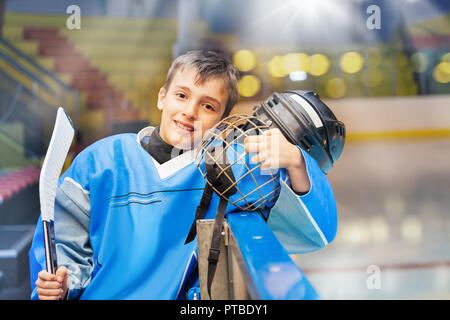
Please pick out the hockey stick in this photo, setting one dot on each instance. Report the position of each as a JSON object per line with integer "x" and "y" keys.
{"x": 60, "y": 142}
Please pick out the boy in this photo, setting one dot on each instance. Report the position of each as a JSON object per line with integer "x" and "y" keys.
{"x": 124, "y": 207}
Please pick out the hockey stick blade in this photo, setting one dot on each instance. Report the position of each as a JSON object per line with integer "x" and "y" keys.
{"x": 58, "y": 148}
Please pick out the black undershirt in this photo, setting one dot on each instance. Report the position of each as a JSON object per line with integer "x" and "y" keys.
{"x": 160, "y": 150}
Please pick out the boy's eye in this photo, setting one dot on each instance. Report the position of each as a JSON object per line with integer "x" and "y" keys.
{"x": 209, "y": 107}
{"x": 181, "y": 95}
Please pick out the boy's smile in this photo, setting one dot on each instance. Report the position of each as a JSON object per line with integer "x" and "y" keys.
{"x": 190, "y": 107}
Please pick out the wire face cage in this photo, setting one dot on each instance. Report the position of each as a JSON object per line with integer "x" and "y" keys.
{"x": 226, "y": 167}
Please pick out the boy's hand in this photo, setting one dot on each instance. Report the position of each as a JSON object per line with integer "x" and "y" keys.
{"x": 52, "y": 286}
{"x": 274, "y": 151}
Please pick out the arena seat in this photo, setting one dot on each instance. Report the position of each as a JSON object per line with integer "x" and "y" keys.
{"x": 25, "y": 71}
{"x": 103, "y": 47}
{"x": 15, "y": 242}
{"x": 16, "y": 180}
{"x": 12, "y": 33}
{"x": 139, "y": 48}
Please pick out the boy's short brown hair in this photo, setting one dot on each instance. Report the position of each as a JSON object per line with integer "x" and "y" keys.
{"x": 210, "y": 64}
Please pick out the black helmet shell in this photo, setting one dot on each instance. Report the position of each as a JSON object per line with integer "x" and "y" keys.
{"x": 307, "y": 122}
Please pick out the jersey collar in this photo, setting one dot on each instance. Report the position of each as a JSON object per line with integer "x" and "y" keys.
{"x": 171, "y": 166}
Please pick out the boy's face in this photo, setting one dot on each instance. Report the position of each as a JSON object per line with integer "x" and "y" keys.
{"x": 189, "y": 109}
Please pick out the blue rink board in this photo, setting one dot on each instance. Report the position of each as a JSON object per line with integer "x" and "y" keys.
{"x": 274, "y": 275}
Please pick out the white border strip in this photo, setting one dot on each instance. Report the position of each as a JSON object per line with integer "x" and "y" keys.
{"x": 184, "y": 274}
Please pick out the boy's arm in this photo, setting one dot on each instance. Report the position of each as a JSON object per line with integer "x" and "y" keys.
{"x": 304, "y": 217}
{"x": 73, "y": 249}
{"x": 304, "y": 222}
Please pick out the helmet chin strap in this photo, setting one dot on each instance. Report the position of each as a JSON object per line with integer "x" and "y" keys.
{"x": 214, "y": 250}
{"x": 220, "y": 179}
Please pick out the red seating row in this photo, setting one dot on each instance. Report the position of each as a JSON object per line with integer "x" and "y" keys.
{"x": 430, "y": 41}
{"x": 17, "y": 180}
{"x": 100, "y": 94}
{"x": 120, "y": 114}
{"x": 40, "y": 32}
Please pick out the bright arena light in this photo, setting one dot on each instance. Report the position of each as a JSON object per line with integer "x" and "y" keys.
{"x": 244, "y": 60}
{"x": 249, "y": 85}
{"x": 351, "y": 62}
{"x": 298, "y": 76}
{"x": 355, "y": 233}
{"x": 419, "y": 61}
{"x": 336, "y": 88}
{"x": 372, "y": 77}
{"x": 318, "y": 64}
{"x": 411, "y": 229}
{"x": 441, "y": 72}
{"x": 379, "y": 229}
{"x": 444, "y": 67}
{"x": 275, "y": 67}
{"x": 293, "y": 62}
{"x": 446, "y": 57}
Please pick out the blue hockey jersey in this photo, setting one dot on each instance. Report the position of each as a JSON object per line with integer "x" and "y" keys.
{"x": 121, "y": 220}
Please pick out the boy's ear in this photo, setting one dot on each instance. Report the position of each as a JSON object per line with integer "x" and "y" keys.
{"x": 161, "y": 96}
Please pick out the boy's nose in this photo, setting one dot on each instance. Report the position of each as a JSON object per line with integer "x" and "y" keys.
{"x": 190, "y": 111}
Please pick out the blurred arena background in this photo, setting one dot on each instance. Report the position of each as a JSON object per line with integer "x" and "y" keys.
{"x": 383, "y": 66}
